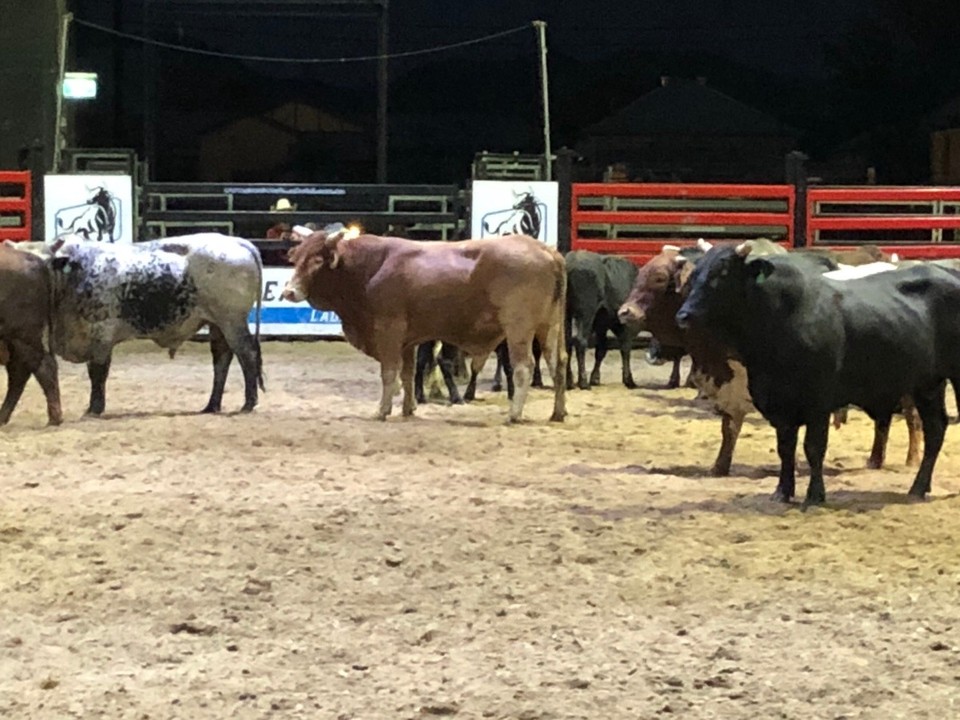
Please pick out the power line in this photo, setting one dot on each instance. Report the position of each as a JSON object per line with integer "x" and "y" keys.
{"x": 311, "y": 61}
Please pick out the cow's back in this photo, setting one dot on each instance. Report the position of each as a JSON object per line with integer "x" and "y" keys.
{"x": 465, "y": 292}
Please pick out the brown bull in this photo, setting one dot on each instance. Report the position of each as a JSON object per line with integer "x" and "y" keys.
{"x": 25, "y": 312}
{"x": 392, "y": 294}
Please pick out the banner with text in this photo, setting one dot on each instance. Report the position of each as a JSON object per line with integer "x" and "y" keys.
{"x": 280, "y": 317}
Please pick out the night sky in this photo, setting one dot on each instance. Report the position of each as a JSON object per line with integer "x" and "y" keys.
{"x": 838, "y": 71}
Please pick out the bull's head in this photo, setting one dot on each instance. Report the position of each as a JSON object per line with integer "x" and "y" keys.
{"x": 654, "y": 280}
{"x": 312, "y": 253}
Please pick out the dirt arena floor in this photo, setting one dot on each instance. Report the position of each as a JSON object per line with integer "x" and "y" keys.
{"x": 306, "y": 561}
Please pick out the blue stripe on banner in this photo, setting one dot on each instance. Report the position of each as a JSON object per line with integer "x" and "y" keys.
{"x": 293, "y": 315}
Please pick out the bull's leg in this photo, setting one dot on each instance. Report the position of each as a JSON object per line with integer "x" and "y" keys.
{"x": 599, "y": 353}
{"x": 815, "y": 448}
{"x": 674, "y": 381}
{"x": 933, "y": 415}
{"x": 580, "y": 348}
{"x": 424, "y": 355}
{"x": 503, "y": 358}
{"x": 522, "y": 362}
{"x": 787, "y": 452}
{"x": 18, "y": 372}
{"x": 881, "y": 432}
{"x": 537, "y": 376}
{"x": 914, "y": 430}
{"x": 568, "y": 346}
{"x": 388, "y": 379}
{"x": 498, "y": 372}
{"x": 476, "y": 367}
{"x": 222, "y": 356}
{"x": 690, "y": 381}
{"x": 247, "y": 349}
{"x": 730, "y": 430}
{"x": 47, "y": 375}
{"x": 447, "y": 363}
{"x": 409, "y": 360}
{"x": 626, "y": 345}
{"x": 98, "y": 371}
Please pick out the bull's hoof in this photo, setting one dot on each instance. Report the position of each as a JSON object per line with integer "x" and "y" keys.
{"x": 583, "y": 385}
{"x": 209, "y": 410}
{"x": 93, "y": 413}
{"x": 629, "y": 384}
{"x": 558, "y": 417}
{"x": 673, "y": 385}
{"x": 720, "y": 470}
{"x": 912, "y": 461}
{"x": 780, "y": 496}
{"x": 537, "y": 383}
{"x": 54, "y": 422}
{"x": 408, "y": 412}
{"x": 421, "y": 400}
{"x": 816, "y": 500}
{"x": 456, "y": 400}
{"x": 248, "y": 407}
{"x": 496, "y": 387}
{"x": 874, "y": 463}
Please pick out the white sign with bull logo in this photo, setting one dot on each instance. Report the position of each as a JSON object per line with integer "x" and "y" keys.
{"x": 95, "y": 207}
{"x": 508, "y": 207}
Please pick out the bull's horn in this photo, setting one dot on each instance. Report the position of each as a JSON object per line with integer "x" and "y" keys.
{"x": 744, "y": 248}
{"x": 674, "y": 248}
{"x": 302, "y": 230}
{"x": 703, "y": 244}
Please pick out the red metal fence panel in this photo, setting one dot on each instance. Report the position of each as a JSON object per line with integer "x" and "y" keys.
{"x": 636, "y": 220}
{"x": 15, "y": 204}
{"x": 913, "y": 222}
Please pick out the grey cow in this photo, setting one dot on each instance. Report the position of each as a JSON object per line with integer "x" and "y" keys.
{"x": 163, "y": 290}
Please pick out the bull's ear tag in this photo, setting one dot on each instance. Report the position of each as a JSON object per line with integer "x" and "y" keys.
{"x": 761, "y": 279}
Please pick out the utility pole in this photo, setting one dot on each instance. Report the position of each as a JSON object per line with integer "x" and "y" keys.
{"x": 382, "y": 50}
{"x": 58, "y": 134}
{"x": 541, "y": 27}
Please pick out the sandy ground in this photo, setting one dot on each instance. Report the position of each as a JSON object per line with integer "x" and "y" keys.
{"x": 306, "y": 561}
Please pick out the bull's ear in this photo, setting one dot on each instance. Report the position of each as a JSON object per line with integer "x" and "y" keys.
{"x": 759, "y": 270}
{"x": 60, "y": 264}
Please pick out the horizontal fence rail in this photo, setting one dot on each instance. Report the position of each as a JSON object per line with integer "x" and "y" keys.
{"x": 15, "y": 205}
{"x": 914, "y": 222}
{"x": 420, "y": 211}
{"x": 636, "y": 220}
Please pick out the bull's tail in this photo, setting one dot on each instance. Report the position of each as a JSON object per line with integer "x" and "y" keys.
{"x": 256, "y": 335}
{"x": 555, "y": 347}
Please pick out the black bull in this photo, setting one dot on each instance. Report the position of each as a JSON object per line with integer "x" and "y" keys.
{"x": 812, "y": 345}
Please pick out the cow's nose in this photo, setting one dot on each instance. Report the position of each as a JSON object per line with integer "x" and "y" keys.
{"x": 290, "y": 294}
{"x": 627, "y": 313}
{"x": 683, "y": 318}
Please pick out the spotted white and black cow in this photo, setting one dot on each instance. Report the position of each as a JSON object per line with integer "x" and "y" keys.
{"x": 164, "y": 290}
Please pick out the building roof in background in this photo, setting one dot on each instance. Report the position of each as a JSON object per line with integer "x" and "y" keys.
{"x": 688, "y": 107}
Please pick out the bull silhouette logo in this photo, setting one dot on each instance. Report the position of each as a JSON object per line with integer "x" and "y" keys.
{"x": 96, "y": 219}
{"x": 526, "y": 217}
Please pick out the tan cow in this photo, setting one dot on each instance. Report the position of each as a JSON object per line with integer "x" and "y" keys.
{"x": 392, "y": 294}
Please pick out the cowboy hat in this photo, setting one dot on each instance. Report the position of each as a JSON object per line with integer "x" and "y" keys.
{"x": 281, "y": 205}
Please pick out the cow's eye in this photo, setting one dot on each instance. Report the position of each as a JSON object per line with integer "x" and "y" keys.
{"x": 714, "y": 282}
